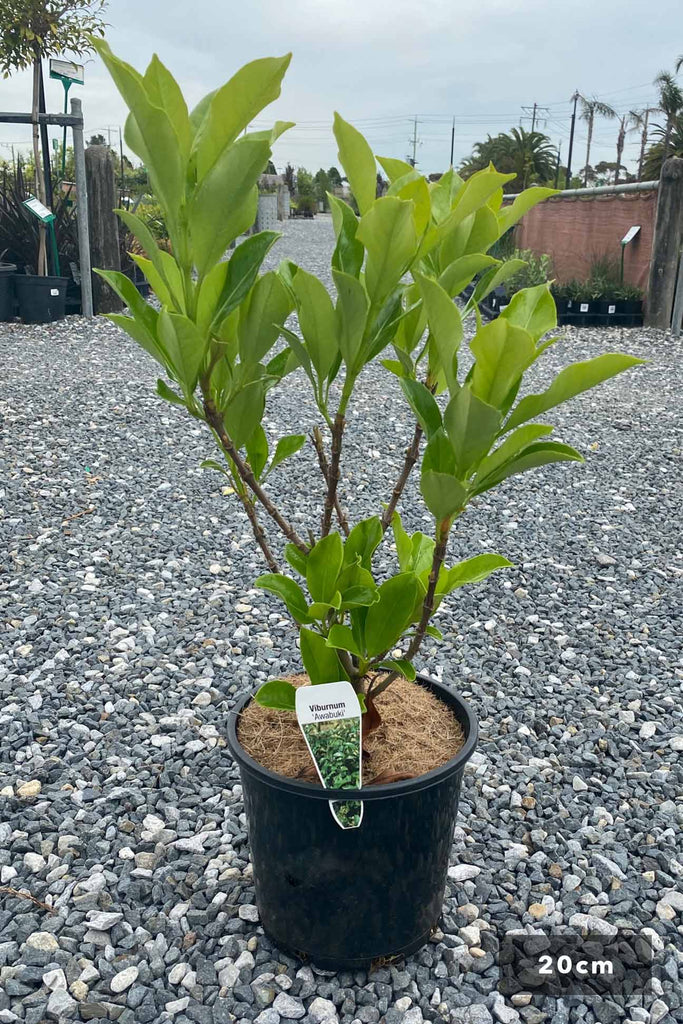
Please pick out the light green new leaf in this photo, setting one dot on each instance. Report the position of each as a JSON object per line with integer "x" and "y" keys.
{"x": 495, "y": 277}
{"x": 229, "y": 282}
{"x": 351, "y": 312}
{"x": 230, "y": 109}
{"x": 135, "y": 329}
{"x": 342, "y": 638}
{"x": 169, "y": 395}
{"x": 139, "y": 229}
{"x": 186, "y": 347}
{"x": 349, "y": 253}
{"x": 400, "y": 665}
{"x": 164, "y": 92}
{"x": 502, "y": 352}
{"x": 323, "y": 565}
{"x": 261, "y": 317}
{"x": 472, "y": 426}
{"x": 357, "y": 160}
{"x": 472, "y": 570}
{"x": 320, "y": 661}
{"x": 159, "y": 285}
{"x": 509, "y": 215}
{"x": 570, "y": 382}
{"x": 362, "y": 542}
{"x": 413, "y": 187}
{"x": 404, "y": 546}
{"x": 533, "y": 309}
{"x": 445, "y": 326}
{"x": 257, "y": 451}
{"x": 288, "y": 591}
{"x": 460, "y": 272}
{"x": 422, "y": 402}
{"x": 444, "y": 495}
{"x": 516, "y": 442}
{"x": 277, "y": 694}
{"x": 387, "y": 619}
{"x": 145, "y": 317}
{"x": 317, "y": 321}
{"x": 388, "y": 233}
{"x": 296, "y": 558}
{"x": 286, "y": 447}
{"x": 395, "y": 168}
{"x": 243, "y": 413}
{"x": 534, "y": 455}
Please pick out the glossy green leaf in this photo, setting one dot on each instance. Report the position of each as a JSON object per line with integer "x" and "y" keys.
{"x": 261, "y": 317}
{"x": 439, "y": 455}
{"x": 502, "y": 352}
{"x": 185, "y": 346}
{"x": 433, "y": 631}
{"x": 358, "y": 162}
{"x": 388, "y": 233}
{"x": 257, "y": 451}
{"x": 286, "y": 447}
{"x": 349, "y": 253}
{"x": 444, "y": 495}
{"x": 495, "y": 277}
{"x": 460, "y": 272}
{"x": 569, "y": 382}
{"x": 342, "y": 638}
{"x": 277, "y": 694}
{"x": 164, "y": 92}
{"x": 212, "y": 464}
{"x": 363, "y": 541}
{"x": 323, "y": 566}
{"x": 403, "y": 542}
{"x": 296, "y": 558}
{"x": 243, "y": 412}
{"x": 359, "y": 597}
{"x": 317, "y": 321}
{"x": 472, "y": 570}
{"x": 139, "y": 229}
{"x": 320, "y": 661}
{"x": 413, "y": 187}
{"x": 351, "y": 313}
{"x": 145, "y": 329}
{"x": 516, "y": 442}
{"x": 542, "y": 454}
{"x": 229, "y": 282}
{"x": 168, "y": 394}
{"x": 288, "y": 591}
{"x": 472, "y": 426}
{"x": 422, "y": 402}
{"x": 533, "y": 309}
{"x": 445, "y": 326}
{"x": 158, "y": 284}
{"x": 401, "y": 665}
{"x": 388, "y": 618}
{"x": 509, "y": 215}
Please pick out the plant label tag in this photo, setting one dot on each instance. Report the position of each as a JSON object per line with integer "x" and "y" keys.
{"x": 611, "y": 309}
{"x": 583, "y": 308}
{"x": 329, "y": 716}
{"x": 54, "y": 291}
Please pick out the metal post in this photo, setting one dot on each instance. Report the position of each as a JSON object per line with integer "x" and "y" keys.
{"x": 67, "y": 86}
{"x": 82, "y": 212}
{"x": 677, "y": 315}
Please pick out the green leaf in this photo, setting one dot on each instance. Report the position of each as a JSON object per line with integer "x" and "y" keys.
{"x": 433, "y": 631}
{"x": 168, "y": 394}
{"x": 443, "y": 494}
{"x": 388, "y": 233}
{"x": 400, "y": 665}
{"x": 317, "y": 321}
{"x": 439, "y": 454}
{"x": 288, "y": 591}
{"x": 296, "y": 558}
{"x": 422, "y": 552}
{"x": 362, "y": 542}
{"x": 422, "y": 402}
{"x": 570, "y": 382}
{"x": 351, "y": 313}
{"x": 243, "y": 413}
{"x": 212, "y": 464}
{"x": 257, "y": 451}
{"x": 228, "y": 283}
{"x": 460, "y": 272}
{"x": 509, "y": 215}
{"x": 403, "y": 542}
{"x": 341, "y": 637}
{"x": 139, "y": 229}
{"x": 277, "y": 694}
{"x": 472, "y": 570}
{"x": 349, "y": 254}
{"x": 445, "y": 326}
{"x": 223, "y": 206}
{"x": 286, "y": 447}
{"x": 390, "y": 616}
{"x": 321, "y": 662}
{"x": 164, "y": 92}
{"x": 542, "y": 454}
{"x": 138, "y": 332}
{"x": 472, "y": 426}
{"x": 323, "y": 565}
{"x": 262, "y": 315}
{"x": 516, "y": 442}
{"x": 495, "y": 277}
{"x": 185, "y": 346}
{"x": 234, "y": 106}
{"x": 144, "y": 315}
{"x": 360, "y": 596}
{"x": 172, "y": 299}
{"x": 502, "y": 352}
{"x": 533, "y": 309}
{"x": 394, "y": 168}
{"x": 358, "y": 162}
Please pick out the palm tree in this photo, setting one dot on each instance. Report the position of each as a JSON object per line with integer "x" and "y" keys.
{"x": 641, "y": 119}
{"x": 628, "y": 123}
{"x": 654, "y": 157}
{"x": 670, "y": 102}
{"x": 589, "y": 110}
{"x": 529, "y": 155}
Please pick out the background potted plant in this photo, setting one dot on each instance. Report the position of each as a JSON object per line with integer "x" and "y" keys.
{"x": 344, "y": 897}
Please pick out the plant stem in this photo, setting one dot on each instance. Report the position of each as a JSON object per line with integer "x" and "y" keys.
{"x": 317, "y": 439}
{"x": 410, "y": 460}
{"x": 215, "y": 421}
{"x": 333, "y": 471}
{"x": 256, "y": 528}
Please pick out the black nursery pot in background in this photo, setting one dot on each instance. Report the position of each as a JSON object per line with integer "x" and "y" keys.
{"x": 344, "y": 898}
{"x": 7, "y": 271}
{"x": 41, "y": 300}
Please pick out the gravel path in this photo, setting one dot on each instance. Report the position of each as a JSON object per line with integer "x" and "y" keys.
{"x": 128, "y": 624}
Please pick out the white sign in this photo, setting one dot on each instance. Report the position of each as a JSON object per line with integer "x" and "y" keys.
{"x": 67, "y": 69}
{"x": 583, "y": 308}
{"x": 630, "y": 234}
{"x": 329, "y": 716}
{"x": 39, "y": 210}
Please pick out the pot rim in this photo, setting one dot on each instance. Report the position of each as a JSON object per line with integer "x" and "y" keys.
{"x": 465, "y": 715}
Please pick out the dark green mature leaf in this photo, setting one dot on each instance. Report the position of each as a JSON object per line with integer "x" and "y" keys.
{"x": 421, "y": 401}
{"x": 359, "y": 596}
{"x": 472, "y": 426}
{"x": 349, "y": 253}
{"x": 296, "y": 558}
{"x": 358, "y": 161}
{"x": 323, "y": 565}
{"x": 286, "y": 447}
{"x": 472, "y": 570}
{"x": 362, "y": 541}
{"x": 320, "y": 661}
{"x": 542, "y": 454}
{"x": 257, "y": 451}
{"x": 570, "y": 382}
{"x": 288, "y": 591}
{"x": 388, "y": 618}
{"x": 277, "y": 694}
{"x": 443, "y": 494}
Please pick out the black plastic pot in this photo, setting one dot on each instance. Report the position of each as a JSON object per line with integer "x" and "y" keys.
{"x": 344, "y": 898}
{"x": 41, "y": 300}
{"x": 7, "y": 271}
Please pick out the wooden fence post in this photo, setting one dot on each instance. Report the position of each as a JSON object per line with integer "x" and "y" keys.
{"x": 104, "y": 228}
{"x": 666, "y": 245}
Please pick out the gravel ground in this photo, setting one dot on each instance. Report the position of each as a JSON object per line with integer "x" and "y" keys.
{"x": 129, "y": 624}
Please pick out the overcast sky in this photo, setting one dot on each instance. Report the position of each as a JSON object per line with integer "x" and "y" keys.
{"x": 382, "y": 62}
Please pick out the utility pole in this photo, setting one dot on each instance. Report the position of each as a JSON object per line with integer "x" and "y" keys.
{"x": 568, "y": 178}
{"x": 452, "y": 141}
{"x": 643, "y": 139}
{"x": 535, "y": 113}
{"x": 414, "y": 160}
{"x": 123, "y": 177}
{"x": 557, "y": 167}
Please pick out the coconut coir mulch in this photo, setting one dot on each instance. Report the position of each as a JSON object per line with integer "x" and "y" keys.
{"x": 418, "y": 733}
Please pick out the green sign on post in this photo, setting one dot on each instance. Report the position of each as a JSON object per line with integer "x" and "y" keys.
{"x": 68, "y": 74}
{"x": 47, "y": 217}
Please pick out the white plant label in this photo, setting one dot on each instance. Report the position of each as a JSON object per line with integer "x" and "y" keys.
{"x": 583, "y": 308}
{"x": 329, "y": 716}
{"x": 54, "y": 291}
{"x": 611, "y": 309}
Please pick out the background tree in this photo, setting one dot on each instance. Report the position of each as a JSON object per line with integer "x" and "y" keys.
{"x": 657, "y": 153}
{"x": 335, "y": 177}
{"x": 643, "y": 117}
{"x": 322, "y": 187}
{"x": 33, "y": 30}
{"x": 270, "y": 168}
{"x": 670, "y": 103}
{"x": 290, "y": 180}
{"x": 531, "y": 156}
{"x": 590, "y": 109}
{"x": 304, "y": 182}
{"x": 627, "y": 123}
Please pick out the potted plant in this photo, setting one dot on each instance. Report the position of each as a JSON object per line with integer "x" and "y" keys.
{"x": 343, "y": 896}
{"x": 626, "y": 307}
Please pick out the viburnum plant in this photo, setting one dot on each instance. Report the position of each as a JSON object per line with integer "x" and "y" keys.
{"x": 396, "y": 269}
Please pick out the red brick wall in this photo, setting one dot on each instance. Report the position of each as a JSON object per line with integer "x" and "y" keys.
{"x": 574, "y": 230}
